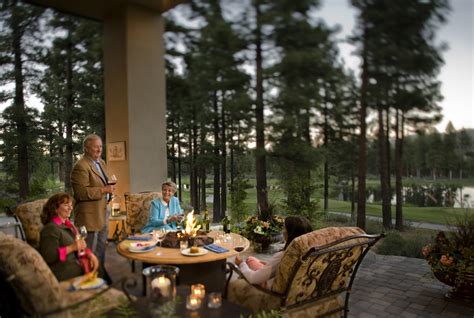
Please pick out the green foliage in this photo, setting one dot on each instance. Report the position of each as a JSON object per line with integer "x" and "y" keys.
{"x": 273, "y": 313}
{"x": 452, "y": 255}
{"x": 168, "y": 309}
{"x": 238, "y": 195}
{"x": 298, "y": 203}
{"x": 395, "y": 244}
{"x": 255, "y": 229}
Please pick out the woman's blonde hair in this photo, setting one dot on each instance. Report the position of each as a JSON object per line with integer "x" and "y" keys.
{"x": 170, "y": 184}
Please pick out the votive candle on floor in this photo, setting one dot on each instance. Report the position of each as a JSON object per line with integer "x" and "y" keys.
{"x": 198, "y": 290}
{"x": 214, "y": 300}
{"x": 193, "y": 302}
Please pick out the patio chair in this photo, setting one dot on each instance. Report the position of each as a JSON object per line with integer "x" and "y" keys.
{"x": 28, "y": 287}
{"x": 29, "y": 214}
{"x": 314, "y": 278}
{"x": 138, "y": 209}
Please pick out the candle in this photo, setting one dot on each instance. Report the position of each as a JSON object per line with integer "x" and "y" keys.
{"x": 214, "y": 300}
{"x": 161, "y": 286}
{"x": 183, "y": 244}
{"x": 193, "y": 302}
{"x": 198, "y": 290}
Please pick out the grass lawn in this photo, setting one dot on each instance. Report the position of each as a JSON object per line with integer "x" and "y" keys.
{"x": 438, "y": 215}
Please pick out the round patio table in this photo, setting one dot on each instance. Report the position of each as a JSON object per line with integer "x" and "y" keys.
{"x": 208, "y": 269}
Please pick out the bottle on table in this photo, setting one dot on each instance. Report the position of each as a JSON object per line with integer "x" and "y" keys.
{"x": 206, "y": 221}
{"x": 226, "y": 224}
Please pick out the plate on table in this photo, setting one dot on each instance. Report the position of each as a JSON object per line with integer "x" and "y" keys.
{"x": 85, "y": 284}
{"x": 187, "y": 252}
{"x": 141, "y": 247}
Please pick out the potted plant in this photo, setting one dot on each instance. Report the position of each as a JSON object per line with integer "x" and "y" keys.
{"x": 451, "y": 257}
{"x": 263, "y": 232}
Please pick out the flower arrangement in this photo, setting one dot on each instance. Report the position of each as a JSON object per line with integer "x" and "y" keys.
{"x": 451, "y": 257}
{"x": 255, "y": 229}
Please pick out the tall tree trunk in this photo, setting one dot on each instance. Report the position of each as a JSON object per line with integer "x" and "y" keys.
{"x": 172, "y": 152}
{"x": 260, "y": 155}
{"x": 195, "y": 169}
{"x": 69, "y": 105}
{"x": 362, "y": 138}
{"x": 223, "y": 164}
{"x": 203, "y": 169}
{"x": 386, "y": 213}
{"x": 326, "y": 165}
{"x": 352, "y": 194}
{"x": 180, "y": 182}
{"x": 217, "y": 187}
{"x": 399, "y": 128}
{"x": 191, "y": 170}
{"x": 388, "y": 155}
{"x": 203, "y": 189}
{"x": 19, "y": 106}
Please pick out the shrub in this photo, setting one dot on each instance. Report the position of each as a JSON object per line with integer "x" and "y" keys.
{"x": 395, "y": 244}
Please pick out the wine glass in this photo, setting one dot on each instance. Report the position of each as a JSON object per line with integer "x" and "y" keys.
{"x": 81, "y": 235}
{"x": 112, "y": 180}
{"x": 238, "y": 243}
{"x": 158, "y": 236}
{"x": 82, "y": 232}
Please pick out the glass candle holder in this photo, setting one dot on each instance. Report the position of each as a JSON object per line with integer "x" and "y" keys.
{"x": 198, "y": 290}
{"x": 214, "y": 300}
{"x": 183, "y": 244}
{"x": 161, "y": 283}
{"x": 193, "y": 302}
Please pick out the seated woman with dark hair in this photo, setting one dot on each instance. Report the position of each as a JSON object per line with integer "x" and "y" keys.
{"x": 60, "y": 244}
{"x": 258, "y": 272}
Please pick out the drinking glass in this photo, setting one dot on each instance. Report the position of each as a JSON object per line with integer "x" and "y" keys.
{"x": 238, "y": 243}
{"x": 112, "y": 180}
{"x": 82, "y": 232}
{"x": 158, "y": 236}
{"x": 81, "y": 235}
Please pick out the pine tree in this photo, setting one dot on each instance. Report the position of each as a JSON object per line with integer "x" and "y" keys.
{"x": 19, "y": 27}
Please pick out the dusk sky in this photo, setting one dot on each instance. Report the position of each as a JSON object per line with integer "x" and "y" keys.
{"x": 456, "y": 75}
{"x": 458, "y": 71}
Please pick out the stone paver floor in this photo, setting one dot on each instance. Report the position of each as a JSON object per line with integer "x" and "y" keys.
{"x": 385, "y": 286}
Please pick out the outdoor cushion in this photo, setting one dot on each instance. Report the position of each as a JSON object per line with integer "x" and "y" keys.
{"x": 301, "y": 245}
{"x": 38, "y": 290}
{"x": 29, "y": 214}
{"x": 138, "y": 208}
{"x": 255, "y": 299}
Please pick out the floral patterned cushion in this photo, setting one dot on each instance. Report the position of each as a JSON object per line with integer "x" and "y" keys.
{"x": 138, "y": 208}
{"x": 38, "y": 290}
{"x": 301, "y": 245}
{"x": 246, "y": 295}
{"x": 30, "y": 277}
{"x": 30, "y": 217}
{"x": 242, "y": 293}
{"x": 95, "y": 307}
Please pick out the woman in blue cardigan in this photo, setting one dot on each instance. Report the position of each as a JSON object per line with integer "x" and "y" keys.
{"x": 164, "y": 212}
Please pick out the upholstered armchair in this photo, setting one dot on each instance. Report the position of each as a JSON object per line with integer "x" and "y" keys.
{"x": 29, "y": 214}
{"x": 314, "y": 277}
{"x": 34, "y": 290}
{"x": 138, "y": 208}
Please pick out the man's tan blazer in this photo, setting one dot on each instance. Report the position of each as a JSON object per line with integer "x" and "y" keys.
{"x": 90, "y": 205}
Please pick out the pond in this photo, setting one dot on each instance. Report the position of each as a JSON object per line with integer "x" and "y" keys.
{"x": 427, "y": 195}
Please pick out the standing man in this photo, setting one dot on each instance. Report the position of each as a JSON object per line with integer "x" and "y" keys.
{"x": 89, "y": 181}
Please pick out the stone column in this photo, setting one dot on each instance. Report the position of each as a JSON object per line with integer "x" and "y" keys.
{"x": 135, "y": 100}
